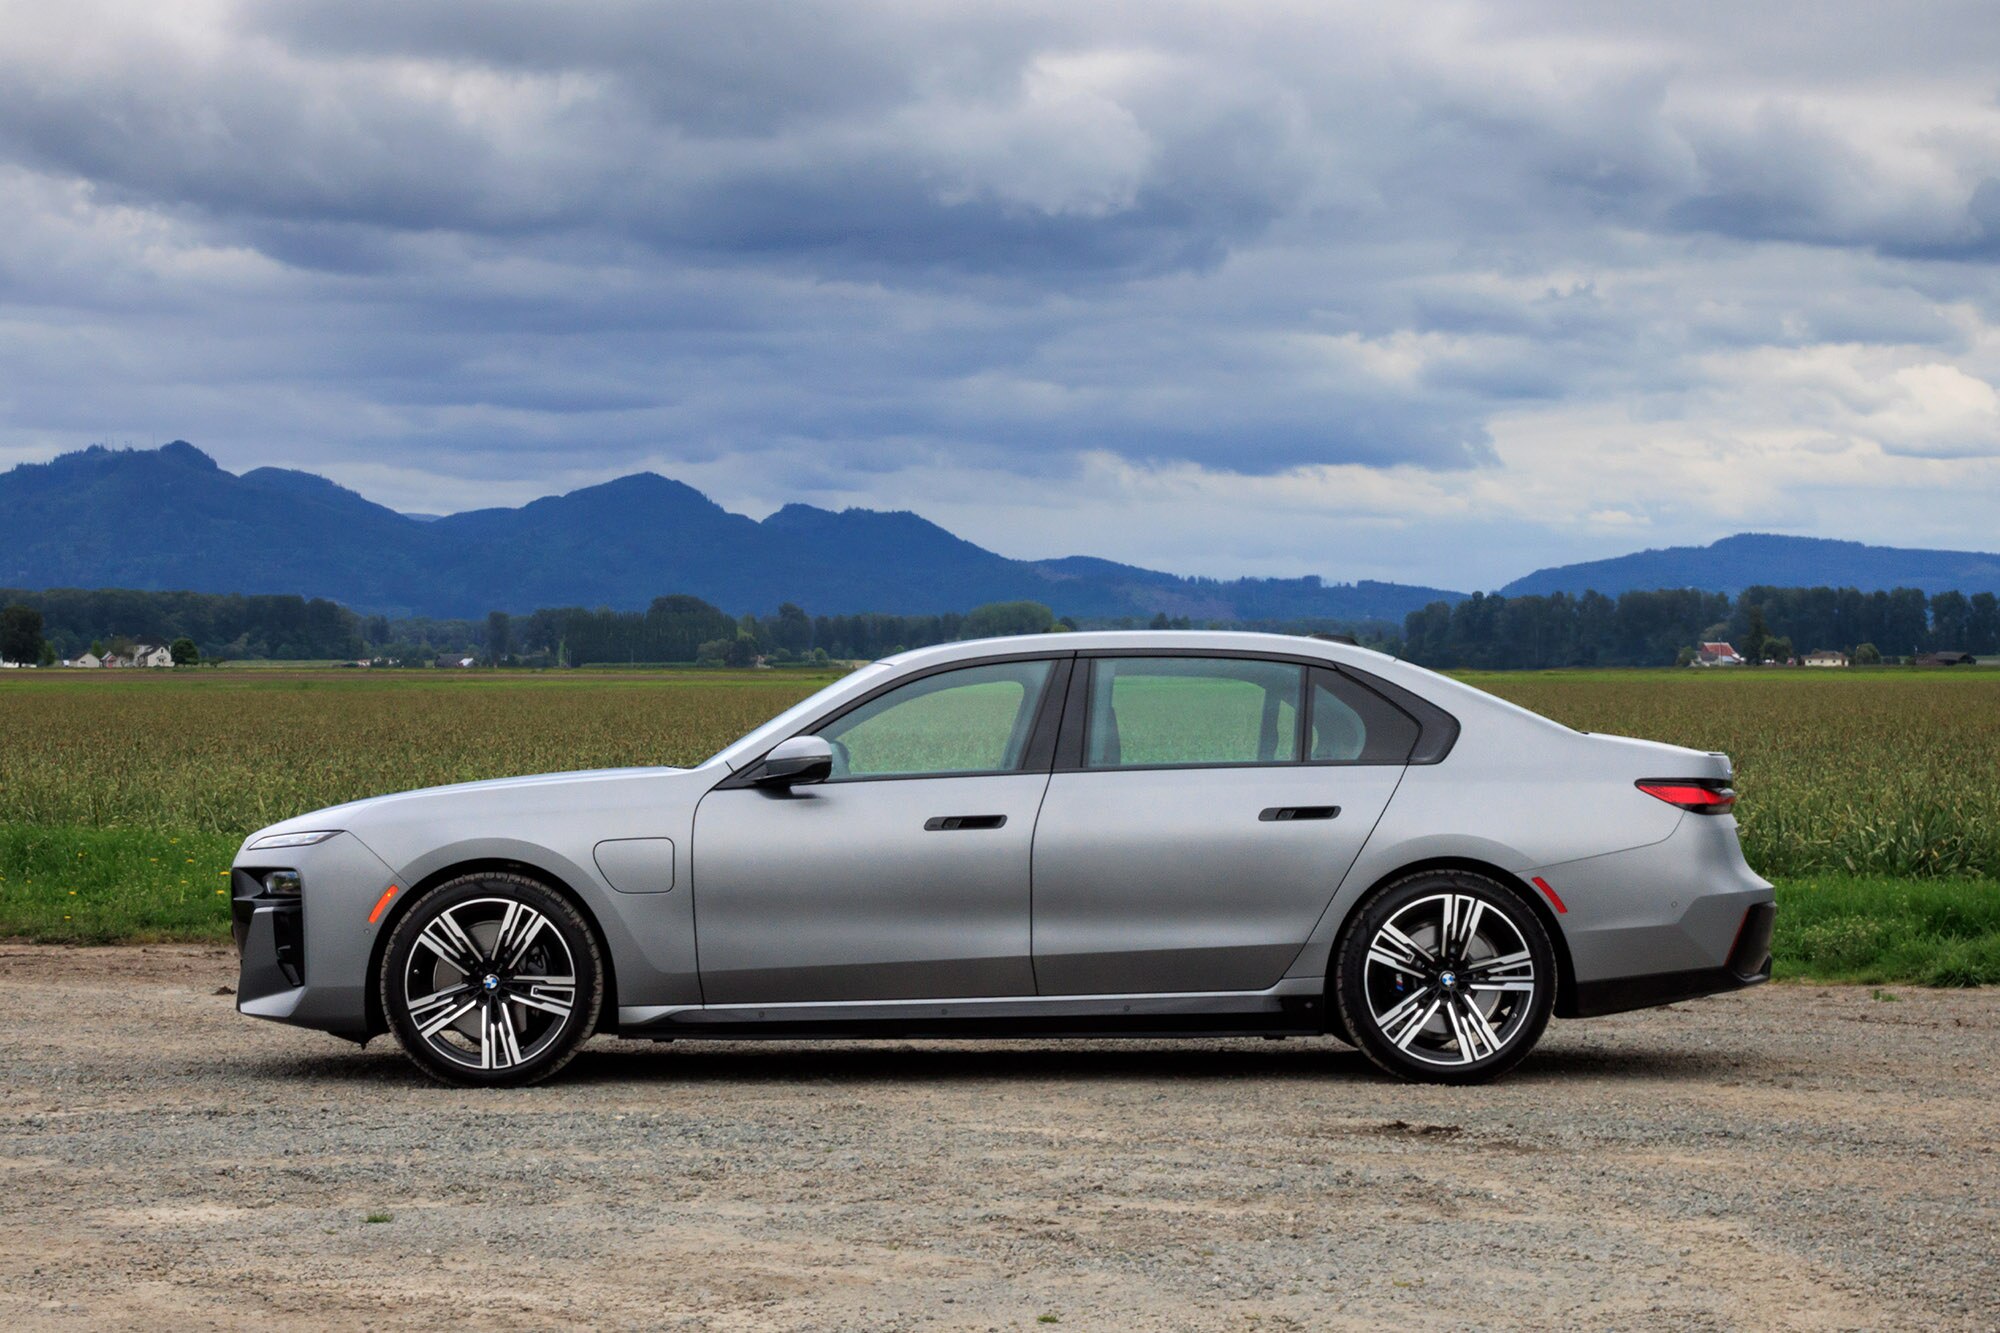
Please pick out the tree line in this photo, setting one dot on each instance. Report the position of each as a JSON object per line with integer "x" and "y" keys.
{"x": 1502, "y": 633}
{"x": 1660, "y": 628}
{"x": 74, "y": 621}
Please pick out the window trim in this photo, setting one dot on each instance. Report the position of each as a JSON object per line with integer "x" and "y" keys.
{"x": 1437, "y": 730}
{"x": 1035, "y": 755}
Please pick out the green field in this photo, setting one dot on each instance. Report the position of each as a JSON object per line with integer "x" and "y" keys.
{"x": 1872, "y": 798}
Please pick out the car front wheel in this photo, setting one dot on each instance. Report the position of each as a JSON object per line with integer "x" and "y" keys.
{"x": 492, "y": 979}
{"x": 1445, "y": 977}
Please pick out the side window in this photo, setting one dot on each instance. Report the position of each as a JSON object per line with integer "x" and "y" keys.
{"x": 973, "y": 720}
{"x": 1148, "y": 711}
{"x": 1352, "y": 724}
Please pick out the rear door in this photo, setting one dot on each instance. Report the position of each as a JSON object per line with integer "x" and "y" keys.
{"x": 1203, "y": 811}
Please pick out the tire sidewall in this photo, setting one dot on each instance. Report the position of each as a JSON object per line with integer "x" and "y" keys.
{"x": 1350, "y": 958}
{"x": 563, "y": 917}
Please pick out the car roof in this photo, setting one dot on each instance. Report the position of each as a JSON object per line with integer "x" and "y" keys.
{"x": 1145, "y": 640}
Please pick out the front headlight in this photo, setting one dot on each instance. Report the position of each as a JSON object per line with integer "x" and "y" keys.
{"x": 270, "y": 840}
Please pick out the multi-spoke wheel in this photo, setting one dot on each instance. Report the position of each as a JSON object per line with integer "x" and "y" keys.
{"x": 491, "y": 978}
{"x": 1445, "y": 977}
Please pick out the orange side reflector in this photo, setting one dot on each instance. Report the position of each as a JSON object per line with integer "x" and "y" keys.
{"x": 380, "y": 904}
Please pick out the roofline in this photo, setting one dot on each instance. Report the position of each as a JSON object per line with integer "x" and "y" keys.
{"x": 1140, "y": 640}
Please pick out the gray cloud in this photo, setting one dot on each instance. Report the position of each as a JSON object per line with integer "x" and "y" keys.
{"x": 1364, "y": 267}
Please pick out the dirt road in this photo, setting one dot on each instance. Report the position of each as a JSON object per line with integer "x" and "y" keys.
{"x": 1793, "y": 1157}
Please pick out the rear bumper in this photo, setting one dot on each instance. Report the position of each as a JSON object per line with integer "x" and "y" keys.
{"x": 1749, "y": 965}
{"x": 1682, "y": 917}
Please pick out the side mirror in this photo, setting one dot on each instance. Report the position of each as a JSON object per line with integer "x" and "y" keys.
{"x": 800, "y": 760}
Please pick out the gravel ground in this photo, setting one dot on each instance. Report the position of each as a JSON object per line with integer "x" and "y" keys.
{"x": 1794, "y": 1157}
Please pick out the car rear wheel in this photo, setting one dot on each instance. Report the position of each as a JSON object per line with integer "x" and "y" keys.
{"x": 1445, "y": 977}
{"x": 492, "y": 979}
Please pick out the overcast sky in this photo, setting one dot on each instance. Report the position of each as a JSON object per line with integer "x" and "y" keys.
{"x": 1435, "y": 293}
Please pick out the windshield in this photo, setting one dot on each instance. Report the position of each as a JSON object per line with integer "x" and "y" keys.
{"x": 737, "y": 752}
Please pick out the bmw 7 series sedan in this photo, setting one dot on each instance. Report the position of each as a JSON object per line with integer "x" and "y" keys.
{"x": 1095, "y": 834}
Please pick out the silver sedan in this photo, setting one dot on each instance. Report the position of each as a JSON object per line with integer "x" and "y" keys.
{"x": 1071, "y": 834}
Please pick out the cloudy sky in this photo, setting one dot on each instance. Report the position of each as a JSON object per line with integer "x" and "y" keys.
{"x": 1434, "y": 293}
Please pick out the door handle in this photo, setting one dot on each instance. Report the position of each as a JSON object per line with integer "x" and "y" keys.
{"x": 1284, "y": 814}
{"x": 953, "y": 823}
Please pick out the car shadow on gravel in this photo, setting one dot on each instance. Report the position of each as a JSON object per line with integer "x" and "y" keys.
{"x": 618, "y": 1062}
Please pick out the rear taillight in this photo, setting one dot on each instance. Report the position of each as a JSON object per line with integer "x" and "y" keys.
{"x": 1701, "y": 795}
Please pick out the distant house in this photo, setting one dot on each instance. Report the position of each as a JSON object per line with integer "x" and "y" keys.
{"x": 1826, "y": 657}
{"x": 1717, "y": 654}
{"x": 453, "y": 662}
{"x": 1946, "y": 659}
{"x": 142, "y": 655}
{"x": 88, "y": 660}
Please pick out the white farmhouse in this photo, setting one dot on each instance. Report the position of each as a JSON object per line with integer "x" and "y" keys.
{"x": 142, "y": 655}
{"x": 87, "y": 660}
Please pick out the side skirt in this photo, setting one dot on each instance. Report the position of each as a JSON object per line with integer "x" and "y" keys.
{"x": 1294, "y": 1007}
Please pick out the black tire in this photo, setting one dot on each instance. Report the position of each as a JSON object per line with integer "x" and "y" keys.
{"x": 1461, "y": 1014}
{"x": 473, "y": 980}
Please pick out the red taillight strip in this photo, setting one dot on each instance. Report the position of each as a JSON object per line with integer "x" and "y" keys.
{"x": 1549, "y": 893}
{"x": 1689, "y": 795}
{"x": 381, "y": 903}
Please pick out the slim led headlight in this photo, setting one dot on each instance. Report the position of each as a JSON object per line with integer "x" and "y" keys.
{"x": 270, "y": 840}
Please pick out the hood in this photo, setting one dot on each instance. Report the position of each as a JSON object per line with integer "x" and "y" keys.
{"x": 372, "y": 808}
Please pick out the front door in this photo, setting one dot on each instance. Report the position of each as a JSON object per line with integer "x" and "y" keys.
{"x": 1215, "y": 806}
{"x": 903, "y": 876}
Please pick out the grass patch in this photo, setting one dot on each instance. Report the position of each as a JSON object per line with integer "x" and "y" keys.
{"x": 1879, "y": 931}
{"x": 113, "y": 886}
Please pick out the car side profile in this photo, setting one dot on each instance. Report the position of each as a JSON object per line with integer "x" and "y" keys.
{"x": 1093, "y": 834}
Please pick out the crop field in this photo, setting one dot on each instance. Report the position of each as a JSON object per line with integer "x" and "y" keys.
{"x": 1873, "y": 798}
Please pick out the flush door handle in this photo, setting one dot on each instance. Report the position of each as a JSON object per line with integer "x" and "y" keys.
{"x": 957, "y": 823}
{"x": 1285, "y": 814}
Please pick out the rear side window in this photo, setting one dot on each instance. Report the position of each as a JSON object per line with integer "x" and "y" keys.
{"x": 1351, "y": 724}
{"x": 1152, "y": 711}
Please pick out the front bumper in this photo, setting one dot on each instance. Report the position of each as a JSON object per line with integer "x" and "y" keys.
{"x": 304, "y": 959}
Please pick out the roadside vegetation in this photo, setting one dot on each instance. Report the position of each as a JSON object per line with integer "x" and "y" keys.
{"x": 1871, "y": 798}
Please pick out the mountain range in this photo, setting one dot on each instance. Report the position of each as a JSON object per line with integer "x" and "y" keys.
{"x": 170, "y": 518}
{"x": 1752, "y": 558}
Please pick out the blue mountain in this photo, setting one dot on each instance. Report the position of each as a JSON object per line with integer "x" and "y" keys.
{"x": 170, "y": 518}
{"x": 1751, "y": 559}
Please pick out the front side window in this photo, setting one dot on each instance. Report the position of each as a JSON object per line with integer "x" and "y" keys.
{"x": 1152, "y": 711}
{"x": 972, "y": 720}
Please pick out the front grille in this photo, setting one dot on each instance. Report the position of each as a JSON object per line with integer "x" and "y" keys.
{"x": 287, "y": 915}
{"x": 1752, "y": 955}
{"x": 288, "y": 927}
